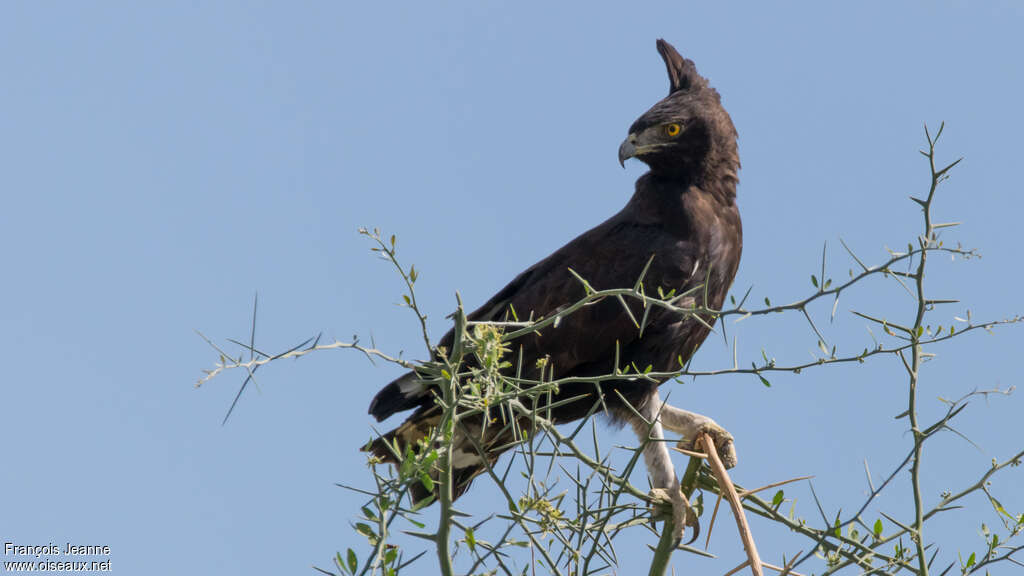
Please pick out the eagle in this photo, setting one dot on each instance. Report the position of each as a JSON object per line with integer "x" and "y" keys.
{"x": 680, "y": 231}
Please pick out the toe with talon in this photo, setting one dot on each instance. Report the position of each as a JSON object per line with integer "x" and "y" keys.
{"x": 720, "y": 436}
{"x": 682, "y": 513}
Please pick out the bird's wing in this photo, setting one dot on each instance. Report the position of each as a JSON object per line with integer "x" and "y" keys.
{"x": 611, "y": 255}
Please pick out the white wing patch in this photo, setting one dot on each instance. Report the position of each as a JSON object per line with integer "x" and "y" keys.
{"x": 465, "y": 459}
{"x": 410, "y": 385}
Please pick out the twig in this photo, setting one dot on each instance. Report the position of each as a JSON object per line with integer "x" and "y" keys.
{"x": 690, "y": 453}
{"x": 725, "y": 484}
{"x": 787, "y": 569}
{"x": 742, "y": 565}
{"x": 746, "y": 493}
{"x": 711, "y": 525}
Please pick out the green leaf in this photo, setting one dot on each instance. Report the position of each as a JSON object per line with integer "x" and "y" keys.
{"x": 814, "y": 280}
{"x": 970, "y": 560}
{"x": 368, "y": 532}
{"x": 427, "y": 482}
{"x": 765, "y": 381}
{"x": 470, "y": 539}
{"x": 999, "y": 508}
{"x": 369, "y": 514}
{"x": 431, "y": 457}
{"x": 353, "y": 562}
{"x": 778, "y": 498}
{"x": 767, "y": 302}
{"x": 878, "y": 528}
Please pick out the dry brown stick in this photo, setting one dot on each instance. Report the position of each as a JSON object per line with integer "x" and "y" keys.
{"x": 783, "y": 571}
{"x": 711, "y": 526}
{"x": 746, "y": 493}
{"x": 742, "y": 565}
{"x": 788, "y": 568}
{"x": 724, "y": 484}
{"x": 690, "y": 453}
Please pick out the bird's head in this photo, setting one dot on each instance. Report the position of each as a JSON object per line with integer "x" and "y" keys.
{"x": 687, "y": 134}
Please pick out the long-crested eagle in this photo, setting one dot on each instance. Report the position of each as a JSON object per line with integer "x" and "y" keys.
{"x": 683, "y": 224}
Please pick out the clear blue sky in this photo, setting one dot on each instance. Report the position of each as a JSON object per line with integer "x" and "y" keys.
{"x": 160, "y": 164}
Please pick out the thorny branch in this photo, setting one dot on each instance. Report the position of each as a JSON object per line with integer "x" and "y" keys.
{"x": 569, "y": 515}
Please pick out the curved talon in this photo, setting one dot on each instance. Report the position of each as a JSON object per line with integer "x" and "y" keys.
{"x": 683, "y": 514}
{"x": 696, "y": 529}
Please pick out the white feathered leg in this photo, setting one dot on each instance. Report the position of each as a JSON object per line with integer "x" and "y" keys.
{"x": 648, "y": 427}
{"x": 659, "y": 462}
{"x": 691, "y": 425}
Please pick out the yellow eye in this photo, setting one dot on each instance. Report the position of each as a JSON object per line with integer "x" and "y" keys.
{"x": 672, "y": 129}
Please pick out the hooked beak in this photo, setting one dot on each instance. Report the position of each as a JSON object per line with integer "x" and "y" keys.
{"x": 627, "y": 149}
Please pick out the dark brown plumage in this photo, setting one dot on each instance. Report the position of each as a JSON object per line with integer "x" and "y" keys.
{"x": 683, "y": 213}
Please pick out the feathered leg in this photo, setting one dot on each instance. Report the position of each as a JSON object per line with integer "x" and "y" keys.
{"x": 665, "y": 484}
{"x": 691, "y": 425}
{"x": 653, "y": 415}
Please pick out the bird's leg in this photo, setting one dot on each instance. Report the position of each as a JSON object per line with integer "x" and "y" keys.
{"x": 691, "y": 425}
{"x": 659, "y": 466}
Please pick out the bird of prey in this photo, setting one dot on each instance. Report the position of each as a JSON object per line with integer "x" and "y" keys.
{"x": 683, "y": 224}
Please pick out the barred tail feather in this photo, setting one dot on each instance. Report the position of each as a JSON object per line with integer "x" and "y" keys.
{"x": 467, "y": 463}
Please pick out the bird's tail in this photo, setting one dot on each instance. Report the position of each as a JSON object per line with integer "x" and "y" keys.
{"x": 474, "y": 448}
{"x": 404, "y": 393}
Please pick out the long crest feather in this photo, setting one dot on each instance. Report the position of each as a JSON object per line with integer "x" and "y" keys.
{"x": 682, "y": 73}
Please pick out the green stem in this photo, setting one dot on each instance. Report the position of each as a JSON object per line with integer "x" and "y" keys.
{"x": 915, "y": 358}
{"x": 445, "y": 497}
{"x": 446, "y": 477}
{"x": 667, "y": 544}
